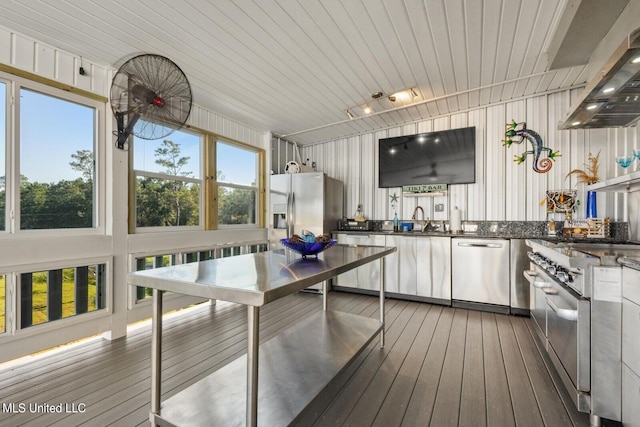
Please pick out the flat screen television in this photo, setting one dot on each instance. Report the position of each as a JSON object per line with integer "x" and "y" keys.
{"x": 443, "y": 157}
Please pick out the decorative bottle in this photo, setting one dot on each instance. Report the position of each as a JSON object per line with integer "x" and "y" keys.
{"x": 396, "y": 222}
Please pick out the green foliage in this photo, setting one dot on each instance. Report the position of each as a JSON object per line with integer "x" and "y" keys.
{"x": 67, "y": 204}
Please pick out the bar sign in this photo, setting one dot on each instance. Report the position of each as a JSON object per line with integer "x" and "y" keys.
{"x": 426, "y": 188}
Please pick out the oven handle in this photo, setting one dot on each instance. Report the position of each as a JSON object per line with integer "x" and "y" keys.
{"x": 563, "y": 313}
{"x": 539, "y": 285}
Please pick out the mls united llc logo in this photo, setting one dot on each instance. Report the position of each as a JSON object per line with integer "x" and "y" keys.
{"x": 43, "y": 408}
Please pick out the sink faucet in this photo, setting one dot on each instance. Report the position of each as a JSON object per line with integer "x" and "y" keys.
{"x": 413, "y": 217}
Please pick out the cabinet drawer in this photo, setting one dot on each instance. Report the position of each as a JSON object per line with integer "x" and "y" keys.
{"x": 630, "y": 398}
{"x": 630, "y": 334}
{"x": 631, "y": 284}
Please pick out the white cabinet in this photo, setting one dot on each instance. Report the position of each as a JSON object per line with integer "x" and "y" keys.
{"x": 630, "y": 398}
{"x": 421, "y": 267}
{"x": 630, "y": 347}
{"x": 391, "y": 264}
{"x": 368, "y": 275}
{"x": 433, "y": 262}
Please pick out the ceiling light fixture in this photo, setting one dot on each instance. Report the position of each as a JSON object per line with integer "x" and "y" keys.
{"x": 381, "y": 102}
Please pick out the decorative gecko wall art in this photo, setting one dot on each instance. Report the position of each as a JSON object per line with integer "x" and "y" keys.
{"x": 518, "y": 132}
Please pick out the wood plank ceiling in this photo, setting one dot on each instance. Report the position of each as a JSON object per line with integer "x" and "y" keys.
{"x": 294, "y": 66}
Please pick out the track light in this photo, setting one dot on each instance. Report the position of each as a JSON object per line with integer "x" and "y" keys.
{"x": 381, "y": 102}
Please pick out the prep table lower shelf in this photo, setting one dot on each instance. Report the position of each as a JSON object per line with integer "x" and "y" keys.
{"x": 293, "y": 368}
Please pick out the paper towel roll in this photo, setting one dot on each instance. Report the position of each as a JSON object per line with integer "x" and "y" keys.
{"x": 455, "y": 223}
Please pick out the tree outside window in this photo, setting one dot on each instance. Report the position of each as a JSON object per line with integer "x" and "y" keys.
{"x": 57, "y": 145}
{"x": 237, "y": 179}
{"x": 168, "y": 181}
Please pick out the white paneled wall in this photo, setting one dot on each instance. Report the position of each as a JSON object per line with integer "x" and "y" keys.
{"x": 32, "y": 56}
{"x": 503, "y": 190}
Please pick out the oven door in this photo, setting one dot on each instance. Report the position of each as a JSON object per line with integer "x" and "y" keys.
{"x": 569, "y": 335}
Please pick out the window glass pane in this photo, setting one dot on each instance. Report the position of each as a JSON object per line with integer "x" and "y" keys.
{"x": 166, "y": 203}
{"x": 3, "y": 149}
{"x": 178, "y": 154}
{"x": 236, "y": 165}
{"x": 56, "y": 162}
{"x": 236, "y": 206}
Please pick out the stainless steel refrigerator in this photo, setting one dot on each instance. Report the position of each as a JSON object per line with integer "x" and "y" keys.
{"x": 304, "y": 201}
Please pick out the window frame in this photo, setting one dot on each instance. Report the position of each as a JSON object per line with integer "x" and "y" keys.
{"x": 133, "y": 196}
{"x": 260, "y": 159}
{"x": 209, "y": 186}
{"x": 12, "y": 159}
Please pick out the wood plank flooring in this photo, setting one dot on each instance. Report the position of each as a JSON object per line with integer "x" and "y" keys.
{"x": 440, "y": 366}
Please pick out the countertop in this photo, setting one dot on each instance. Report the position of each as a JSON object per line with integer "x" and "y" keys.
{"x": 495, "y": 235}
{"x": 256, "y": 279}
{"x": 630, "y": 261}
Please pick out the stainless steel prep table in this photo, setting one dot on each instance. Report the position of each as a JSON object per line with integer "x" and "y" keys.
{"x": 309, "y": 354}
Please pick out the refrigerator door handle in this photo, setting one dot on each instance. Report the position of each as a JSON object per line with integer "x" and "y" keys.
{"x": 291, "y": 218}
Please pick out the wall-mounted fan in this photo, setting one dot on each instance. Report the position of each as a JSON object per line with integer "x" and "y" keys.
{"x": 150, "y": 98}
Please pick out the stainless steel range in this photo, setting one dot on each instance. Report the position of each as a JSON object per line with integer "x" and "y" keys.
{"x": 576, "y": 296}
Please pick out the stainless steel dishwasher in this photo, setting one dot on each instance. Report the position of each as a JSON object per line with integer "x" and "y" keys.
{"x": 480, "y": 272}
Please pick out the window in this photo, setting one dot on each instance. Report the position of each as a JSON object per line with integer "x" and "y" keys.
{"x": 3, "y": 150}
{"x": 168, "y": 181}
{"x": 237, "y": 172}
{"x": 57, "y": 173}
{"x": 3, "y": 303}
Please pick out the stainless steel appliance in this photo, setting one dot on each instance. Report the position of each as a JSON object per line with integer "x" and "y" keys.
{"x": 480, "y": 273}
{"x": 519, "y": 293}
{"x": 576, "y": 307}
{"x": 304, "y": 201}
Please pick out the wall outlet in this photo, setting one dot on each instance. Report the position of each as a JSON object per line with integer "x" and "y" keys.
{"x": 439, "y": 207}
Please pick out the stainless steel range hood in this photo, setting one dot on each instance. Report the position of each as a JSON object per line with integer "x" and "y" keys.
{"x": 612, "y": 97}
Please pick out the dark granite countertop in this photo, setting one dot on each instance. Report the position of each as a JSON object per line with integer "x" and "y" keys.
{"x": 496, "y": 235}
{"x": 500, "y": 230}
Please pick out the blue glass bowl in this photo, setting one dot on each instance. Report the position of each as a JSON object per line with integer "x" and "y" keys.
{"x": 307, "y": 249}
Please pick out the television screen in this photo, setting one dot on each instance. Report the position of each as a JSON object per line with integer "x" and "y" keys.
{"x": 444, "y": 157}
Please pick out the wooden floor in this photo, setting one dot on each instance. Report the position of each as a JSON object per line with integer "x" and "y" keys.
{"x": 440, "y": 366}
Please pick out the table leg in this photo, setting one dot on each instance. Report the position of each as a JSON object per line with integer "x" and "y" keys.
{"x": 325, "y": 288}
{"x": 156, "y": 353}
{"x": 253, "y": 332}
{"x": 382, "y": 302}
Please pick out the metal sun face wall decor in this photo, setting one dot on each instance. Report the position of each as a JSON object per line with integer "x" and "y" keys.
{"x": 518, "y": 132}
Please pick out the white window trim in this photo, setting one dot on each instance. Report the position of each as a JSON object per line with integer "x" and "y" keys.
{"x": 59, "y": 323}
{"x": 12, "y": 183}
